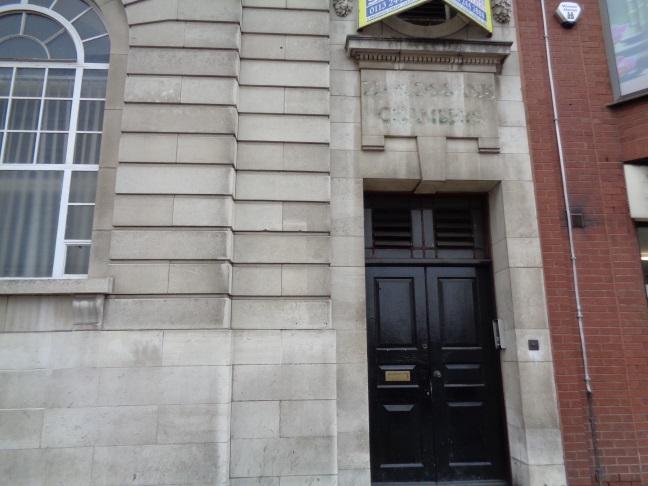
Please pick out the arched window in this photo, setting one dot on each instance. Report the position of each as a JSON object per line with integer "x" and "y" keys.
{"x": 53, "y": 69}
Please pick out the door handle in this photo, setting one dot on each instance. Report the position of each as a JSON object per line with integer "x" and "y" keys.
{"x": 437, "y": 374}
{"x": 428, "y": 392}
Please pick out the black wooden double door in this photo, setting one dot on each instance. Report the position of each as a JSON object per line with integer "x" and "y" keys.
{"x": 434, "y": 389}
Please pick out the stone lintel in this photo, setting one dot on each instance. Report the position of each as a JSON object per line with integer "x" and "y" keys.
{"x": 463, "y": 54}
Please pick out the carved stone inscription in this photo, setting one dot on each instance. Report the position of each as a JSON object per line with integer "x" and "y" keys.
{"x": 433, "y": 104}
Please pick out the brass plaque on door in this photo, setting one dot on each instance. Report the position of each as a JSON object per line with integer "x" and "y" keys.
{"x": 397, "y": 376}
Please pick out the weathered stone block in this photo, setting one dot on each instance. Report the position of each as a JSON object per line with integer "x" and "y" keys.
{"x": 185, "y": 61}
{"x": 206, "y": 149}
{"x": 280, "y": 314}
{"x": 282, "y": 186}
{"x": 304, "y": 347}
{"x": 69, "y": 466}
{"x": 186, "y": 424}
{"x": 283, "y": 457}
{"x": 264, "y": 21}
{"x": 209, "y": 91}
{"x": 179, "y": 119}
{"x": 159, "y": 34}
{"x": 144, "y": 89}
{"x": 306, "y": 217}
{"x": 261, "y": 100}
{"x": 148, "y": 147}
{"x": 305, "y": 280}
{"x": 266, "y": 216}
{"x": 99, "y": 426}
{"x": 175, "y": 385}
{"x": 255, "y": 420}
{"x": 197, "y": 348}
{"x": 160, "y": 464}
{"x": 284, "y": 73}
{"x": 80, "y": 350}
{"x": 308, "y": 418}
{"x": 256, "y": 347}
{"x": 262, "y": 280}
{"x": 223, "y": 11}
{"x": 140, "y": 278}
{"x": 173, "y": 313}
{"x": 49, "y": 389}
{"x": 20, "y": 429}
{"x": 212, "y": 36}
{"x": 283, "y": 128}
{"x": 143, "y": 211}
{"x": 202, "y": 211}
{"x": 283, "y": 382}
{"x": 199, "y": 278}
{"x": 166, "y": 244}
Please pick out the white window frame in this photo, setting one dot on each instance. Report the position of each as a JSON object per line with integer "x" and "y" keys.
{"x": 615, "y": 76}
{"x": 67, "y": 168}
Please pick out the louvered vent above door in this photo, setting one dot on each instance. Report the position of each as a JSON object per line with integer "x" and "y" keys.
{"x": 453, "y": 228}
{"x": 399, "y": 227}
{"x": 392, "y": 228}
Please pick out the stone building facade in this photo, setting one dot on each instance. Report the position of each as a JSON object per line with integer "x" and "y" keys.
{"x": 220, "y": 336}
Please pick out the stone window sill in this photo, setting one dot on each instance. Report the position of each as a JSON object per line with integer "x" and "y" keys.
{"x": 53, "y": 286}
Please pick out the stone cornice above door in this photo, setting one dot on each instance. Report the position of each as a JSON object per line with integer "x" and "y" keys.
{"x": 428, "y": 54}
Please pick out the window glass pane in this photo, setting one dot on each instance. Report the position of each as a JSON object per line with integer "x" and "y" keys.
{"x": 5, "y": 81}
{"x": 90, "y": 116}
{"x": 19, "y": 148}
{"x": 29, "y": 82}
{"x": 10, "y": 24}
{"x": 77, "y": 260}
{"x": 8, "y": 2}
{"x": 24, "y": 115}
{"x": 42, "y": 3}
{"x": 94, "y": 83}
{"x": 52, "y": 148}
{"x": 62, "y": 47}
{"x": 56, "y": 115}
{"x": 89, "y": 25}
{"x": 83, "y": 187}
{"x": 79, "y": 222}
{"x": 87, "y": 149}
{"x": 70, "y": 8}
{"x": 97, "y": 50}
{"x": 42, "y": 28}
{"x": 3, "y": 113}
{"x": 22, "y": 48}
{"x": 60, "y": 83}
{"x": 29, "y": 206}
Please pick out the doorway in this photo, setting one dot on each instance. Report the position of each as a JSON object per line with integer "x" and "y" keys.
{"x": 434, "y": 379}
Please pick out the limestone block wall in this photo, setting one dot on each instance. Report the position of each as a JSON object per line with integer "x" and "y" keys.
{"x": 283, "y": 388}
{"x": 146, "y": 399}
{"x": 118, "y": 407}
{"x": 171, "y": 238}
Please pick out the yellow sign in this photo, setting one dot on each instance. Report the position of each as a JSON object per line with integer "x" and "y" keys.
{"x": 370, "y": 11}
{"x": 479, "y": 11}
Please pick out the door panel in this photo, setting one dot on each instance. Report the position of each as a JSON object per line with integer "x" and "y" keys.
{"x": 400, "y": 418}
{"x": 440, "y": 423}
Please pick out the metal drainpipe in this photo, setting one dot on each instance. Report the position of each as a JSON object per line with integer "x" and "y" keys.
{"x": 579, "y": 313}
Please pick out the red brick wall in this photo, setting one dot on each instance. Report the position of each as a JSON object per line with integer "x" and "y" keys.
{"x": 596, "y": 141}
